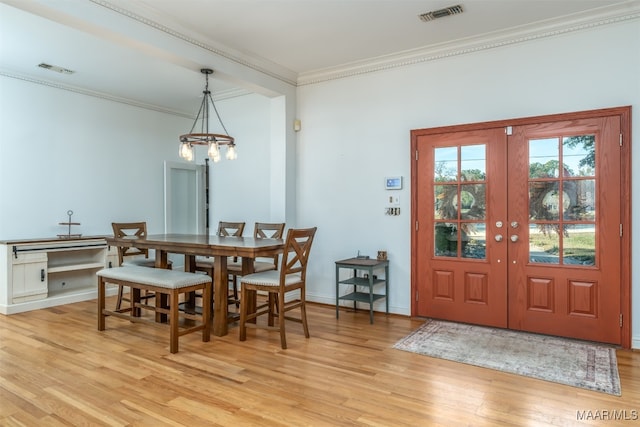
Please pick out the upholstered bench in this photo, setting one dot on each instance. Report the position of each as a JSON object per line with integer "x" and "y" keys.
{"x": 167, "y": 285}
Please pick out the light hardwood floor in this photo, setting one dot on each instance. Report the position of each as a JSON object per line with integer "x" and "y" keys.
{"x": 56, "y": 369}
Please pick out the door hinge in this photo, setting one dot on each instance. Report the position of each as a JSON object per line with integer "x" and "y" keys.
{"x": 416, "y": 296}
{"x": 416, "y": 225}
{"x": 620, "y": 140}
{"x": 620, "y": 230}
{"x": 621, "y": 320}
{"x": 508, "y": 130}
{"x": 416, "y": 154}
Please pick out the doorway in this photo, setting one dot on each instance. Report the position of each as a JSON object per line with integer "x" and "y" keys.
{"x": 520, "y": 224}
{"x": 185, "y": 198}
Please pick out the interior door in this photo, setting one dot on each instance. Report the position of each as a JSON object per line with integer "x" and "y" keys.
{"x": 564, "y": 228}
{"x": 460, "y": 243}
{"x": 184, "y": 198}
{"x": 521, "y": 226}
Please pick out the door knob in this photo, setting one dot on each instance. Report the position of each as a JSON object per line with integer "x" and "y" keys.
{"x": 514, "y": 237}
{"x": 514, "y": 224}
{"x": 498, "y": 237}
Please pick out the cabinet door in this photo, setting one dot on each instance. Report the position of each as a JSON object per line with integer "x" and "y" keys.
{"x": 112, "y": 257}
{"x": 29, "y": 277}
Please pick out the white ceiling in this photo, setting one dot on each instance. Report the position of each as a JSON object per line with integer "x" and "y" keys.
{"x": 116, "y": 46}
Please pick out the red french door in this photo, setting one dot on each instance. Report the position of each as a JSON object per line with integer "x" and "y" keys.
{"x": 520, "y": 226}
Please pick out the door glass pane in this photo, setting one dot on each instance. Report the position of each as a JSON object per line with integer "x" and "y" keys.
{"x": 579, "y": 155}
{"x": 579, "y": 244}
{"x": 544, "y": 158}
{"x": 473, "y": 240}
{"x": 581, "y": 200}
{"x": 545, "y": 201}
{"x": 460, "y": 200}
{"x": 544, "y": 244}
{"x": 446, "y": 239}
{"x": 446, "y": 201}
{"x": 473, "y": 201}
{"x": 446, "y": 164}
{"x": 472, "y": 163}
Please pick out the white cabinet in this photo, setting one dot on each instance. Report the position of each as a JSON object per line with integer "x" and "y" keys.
{"x": 42, "y": 273}
{"x": 29, "y": 271}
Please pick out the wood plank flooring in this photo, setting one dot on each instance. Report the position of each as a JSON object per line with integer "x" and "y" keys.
{"x": 57, "y": 369}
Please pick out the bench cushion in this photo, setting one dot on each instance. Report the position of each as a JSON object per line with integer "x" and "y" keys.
{"x": 160, "y": 277}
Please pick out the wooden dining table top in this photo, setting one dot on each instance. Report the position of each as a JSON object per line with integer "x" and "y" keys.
{"x": 203, "y": 244}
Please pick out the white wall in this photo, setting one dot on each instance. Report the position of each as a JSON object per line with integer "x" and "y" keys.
{"x": 356, "y": 131}
{"x": 61, "y": 150}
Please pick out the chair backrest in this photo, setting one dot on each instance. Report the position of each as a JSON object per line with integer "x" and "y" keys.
{"x": 133, "y": 229}
{"x": 269, "y": 230}
{"x": 227, "y": 229}
{"x": 296, "y": 252}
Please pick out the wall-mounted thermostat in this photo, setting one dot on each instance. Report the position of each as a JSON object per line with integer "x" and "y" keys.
{"x": 393, "y": 183}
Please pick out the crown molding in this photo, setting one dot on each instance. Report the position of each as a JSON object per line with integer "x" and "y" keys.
{"x": 94, "y": 94}
{"x": 255, "y": 63}
{"x": 551, "y": 28}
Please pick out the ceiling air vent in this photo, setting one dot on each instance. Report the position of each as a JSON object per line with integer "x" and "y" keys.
{"x": 55, "y": 68}
{"x": 441, "y": 13}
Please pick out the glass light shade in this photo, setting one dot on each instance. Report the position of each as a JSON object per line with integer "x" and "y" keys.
{"x": 214, "y": 151}
{"x": 186, "y": 151}
{"x": 232, "y": 154}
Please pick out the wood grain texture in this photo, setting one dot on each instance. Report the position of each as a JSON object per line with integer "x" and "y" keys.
{"x": 56, "y": 369}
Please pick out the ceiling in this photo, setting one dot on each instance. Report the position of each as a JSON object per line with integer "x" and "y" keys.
{"x": 120, "y": 47}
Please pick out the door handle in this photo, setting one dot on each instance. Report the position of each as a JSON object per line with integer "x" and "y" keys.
{"x": 514, "y": 237}
{"x": 498, "y": 237}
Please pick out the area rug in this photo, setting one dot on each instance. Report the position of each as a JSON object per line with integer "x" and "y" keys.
{"x": 575, "y": 363}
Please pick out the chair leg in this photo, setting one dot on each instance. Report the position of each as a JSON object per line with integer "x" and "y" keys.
{"x": 303, "y": 312}
{"x": 243, "y": 314}
{"x": 101, "y": 304}
{"x": 283, "y": 338}
{"x": 271, "y": 315}
{"x": 120, "y": 294}
{"x": 235, "y": 291}
{"x": 303, "y": 317}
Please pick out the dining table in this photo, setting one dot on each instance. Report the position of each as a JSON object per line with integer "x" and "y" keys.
{"x": 217, "y": 247}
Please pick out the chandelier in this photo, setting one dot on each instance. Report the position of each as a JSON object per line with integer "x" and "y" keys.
{"x": 204, "y": 137}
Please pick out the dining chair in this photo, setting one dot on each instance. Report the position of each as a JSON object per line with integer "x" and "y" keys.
{"x": 291, "y": 276}
{"x": 261, "y": 230}
{"x": 205, "y": 264}
{"x": 132, "y": 255}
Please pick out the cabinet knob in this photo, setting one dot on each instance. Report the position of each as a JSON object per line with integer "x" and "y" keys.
{"x": 42, "y": 274}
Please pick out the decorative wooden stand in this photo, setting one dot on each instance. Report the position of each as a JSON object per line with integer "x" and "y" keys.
{"x": 69, "y": 224}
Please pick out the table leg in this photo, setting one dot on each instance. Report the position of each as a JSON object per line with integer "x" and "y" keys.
{"x": 161, "y": 300}
{"x": 220, "y": 290}
{"x": 161, "y": 259}
{"x": 190, "y": 266}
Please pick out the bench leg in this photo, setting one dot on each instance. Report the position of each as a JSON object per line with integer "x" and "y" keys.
{"x": 101, "y": 303}
{"x": 173, "y": 322}
{"x": 135, "y": 299}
